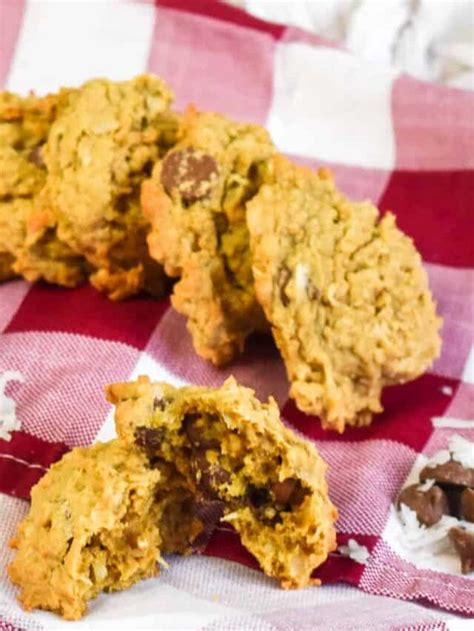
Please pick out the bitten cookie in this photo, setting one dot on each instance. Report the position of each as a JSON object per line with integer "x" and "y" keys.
{"x": 195, "y": 202}
{"x": 345, "y": 292}
{"x": 243, "y": 466}
{"x": 98, "y": 152}
{"x": 92, "y": 527}
{"x": 24, "y": 126}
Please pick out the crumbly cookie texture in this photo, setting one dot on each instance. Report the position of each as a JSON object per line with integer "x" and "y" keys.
{"x": 243, "y": 466}
{"x": 195, "y": 201}
{"x": 345, "y": 292}
{"x": 98, "y": 152}
{"x": 92, "y": 527}
{"x": 24, "y": 126}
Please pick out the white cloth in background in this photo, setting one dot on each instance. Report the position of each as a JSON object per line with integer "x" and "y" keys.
{"x": 428, "y": 39}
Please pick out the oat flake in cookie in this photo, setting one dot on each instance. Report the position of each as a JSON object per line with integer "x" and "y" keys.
{"x": 242, "y": 465}
{"x": 344, "y": 291}
{"x": 195, "y": 202}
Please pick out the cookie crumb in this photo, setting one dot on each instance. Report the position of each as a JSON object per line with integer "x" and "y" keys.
{"x": 355, "y": 551}
{"x": 447, "y": 391}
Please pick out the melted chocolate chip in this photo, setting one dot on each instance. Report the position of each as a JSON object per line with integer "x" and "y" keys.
{"x": 451, "y": 472}
{"x": 288, "y": 492}
{"x": 196, "y": 434}
{"x": 467, "y": 504}
{"x": 463, "y": 542}
{"x": 429, "y": 506}
{"x": 258, "y": 496}
{"x": 149, "y": 438}
{"x": 209, "y": 512}
{"x": 283, "y": 280}
{"x": 190, "y": 172}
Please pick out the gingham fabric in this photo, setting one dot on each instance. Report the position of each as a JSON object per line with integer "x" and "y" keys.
{"x": 406, "y": 145}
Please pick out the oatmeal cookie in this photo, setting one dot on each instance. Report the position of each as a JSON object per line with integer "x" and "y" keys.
{"x": 24, "y": 126}
{"x": 243, "y": 466}
{"x": 99, "y": 521}
{"x": 345, "y": 292}
{"x": 195, "y": 201}
{"x": 99, "y": 150}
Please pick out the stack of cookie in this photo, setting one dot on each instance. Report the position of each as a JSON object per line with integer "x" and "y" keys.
{"x": 107, "y": 183}
{"x": 185, "y": 459}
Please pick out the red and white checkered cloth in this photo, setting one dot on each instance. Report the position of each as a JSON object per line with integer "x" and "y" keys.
{"x": 406, "y": 145}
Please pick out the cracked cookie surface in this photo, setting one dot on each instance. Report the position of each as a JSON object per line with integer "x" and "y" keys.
{"x": 344, "y": 291}
{"x": 99, "y": 521}
{"x": 195, "y": 201}
{"x": 98, "y": 152}
{"x": 242, "y": 465}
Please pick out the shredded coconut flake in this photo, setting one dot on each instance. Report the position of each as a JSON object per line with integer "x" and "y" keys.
{"x": 8, "y": 419}
{"x": 433, "y": 539}
{"x": 426, "y": 486}
{"x": 447, "y": 391}
{"x": 440, "y": 457}
{"x": 301, "y": 278}
{"x": 462, "y": 450}
{"x": 355, "y": 551}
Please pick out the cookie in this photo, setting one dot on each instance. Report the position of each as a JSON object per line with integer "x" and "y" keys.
{"x": 99, "y": 150}
{"x": 24, "y": 126}
{"x": 91, "y": 528}
{"x": 345, "y": 293}
{"x": 195, "y": 201}
{"x": 99, "y": 521}
{"x": 243, "y": 466}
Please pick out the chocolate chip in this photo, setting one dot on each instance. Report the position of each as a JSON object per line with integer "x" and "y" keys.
{"x": 159, "y": 403}
{"x": 208, "y": 476}
{"x": 467, "y": 505}
{"x": 35, "y": 156}
{"x": 196, "y": 434}
{"x": 149, "y": 437}
{"x": 283, "y": 280}
{"x": 289, "y": 491}
{"x": 258, "y": 496}
{"x": 209, "y": 512}
{"x": 463, "y": 542}
{"x": 190, "y": 172}
{"x": 312, "y": 291}
{"x": 451, "y": 472}
{"x": 429, "y": 506}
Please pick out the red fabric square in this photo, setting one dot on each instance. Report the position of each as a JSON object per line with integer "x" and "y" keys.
{"x": 435, "y": 209}
{"x": 87, "y": 312}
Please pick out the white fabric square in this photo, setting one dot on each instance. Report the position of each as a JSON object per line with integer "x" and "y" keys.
{"x": 329, "y": 105}
{"x": 63, "y": 44}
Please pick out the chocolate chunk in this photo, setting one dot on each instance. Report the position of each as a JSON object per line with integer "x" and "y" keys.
{"x": 451, "y": 472}
{"x": 196, "y": 434}
{"x": 208, "y": 476}
{"x": 258, "y": 496}
{"x": 283, "y": 280}
{"x": 190, "y": 172}
{"x": 288, "y": 492}
{"x": 36, "y": 157}
{"x": 209, "y": 512}
{"x": 463, "y": 542}
{"x": 149, "y": 438}
{"x": 159, "y": 403}
{"x": 429, "y": 506}
{"x": 467, "y": 505}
